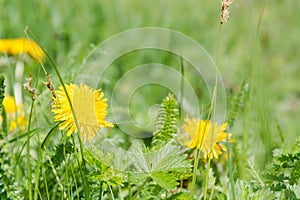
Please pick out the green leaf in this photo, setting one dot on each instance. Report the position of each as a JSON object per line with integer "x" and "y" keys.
{"x": 167, "y": 159}
{"x": 165, "y": 180}
{"x": 166, "y": 123}
{"x": 61, "y": 151}
{"x": 180, "y": 196}
{"x": 101, "y": 163}
{"x": 48, "y": 136}
{"x": 165, "y": 166}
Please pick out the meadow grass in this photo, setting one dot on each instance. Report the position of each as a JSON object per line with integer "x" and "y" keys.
{"x": 259, "y": 45}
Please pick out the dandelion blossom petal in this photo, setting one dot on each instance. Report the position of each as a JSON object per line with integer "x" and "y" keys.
{"x": 206, "y": 136}
{"x": 89, "y": 108}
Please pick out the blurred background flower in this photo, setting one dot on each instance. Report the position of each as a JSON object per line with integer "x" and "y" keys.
{"x": 15, "y": 116}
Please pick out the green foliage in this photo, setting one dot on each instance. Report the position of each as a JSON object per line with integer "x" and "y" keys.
{"x": 180, "y": 196}
{"x": 5, "y": 171}
{"x": 61, "y": 152}
{"x": 163, "y": 167}
{"x": 7, "y": 187}
{"x": 238, "y": 103}
{"x": 166, "y": 122}
{"x": 102, "y": 174}
{"x": 151, "y": 191}
{"x": 244, "y": 190}
{"x": 283, "y": 174}
{"x": 281, "y": 177}
{"x": 2, "y": 89}
{"x": 2, "y": 110}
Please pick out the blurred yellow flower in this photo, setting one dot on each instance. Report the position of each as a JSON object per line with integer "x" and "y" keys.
{"x": 14, "y": 113}
{"x": 89, "y": 107}
{"x": 10, "y": 105}
{"x": 206, "y": 136}
{"x": 21, "y": 46}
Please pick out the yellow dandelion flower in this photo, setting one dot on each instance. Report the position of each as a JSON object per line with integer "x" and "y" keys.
{"x": 14, "y": 112}
{"x": 21, "y": 46}
{"x": 206, "y": 136}
{"x": 10, "y": 105}
{"x": 89, "y": 107}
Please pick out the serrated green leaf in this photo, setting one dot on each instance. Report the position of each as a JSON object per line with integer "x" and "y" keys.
{"x": 136, "y": 178}
{"x": 168, "y": 159}
{"x": 103, "y": 172}
{"x": 165, "y": 180}
{"x": 165, "y": 167}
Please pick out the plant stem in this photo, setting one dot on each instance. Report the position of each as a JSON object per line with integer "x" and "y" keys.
{"x": 84, "y": 179}
{"x": 100, "y": 191}
{"x": 206, "y": 178}
{"x": 195, "y": 167}
{"x": 28, "y": 152}
{"x": 181, "y": 87}
{"x": 129, "y": 187}
{"x": 140, "y": 188}
{"x": 46, "y": 185}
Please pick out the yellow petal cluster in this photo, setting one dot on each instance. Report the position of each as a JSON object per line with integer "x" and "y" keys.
{"x": 21, "y": 46}
{"x": 89, "y": 107}
{"x": 206, "y": 136}
{"x": 14, "y": 113}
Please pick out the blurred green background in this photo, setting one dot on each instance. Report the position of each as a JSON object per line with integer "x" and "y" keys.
{"x": 266, "y": 53}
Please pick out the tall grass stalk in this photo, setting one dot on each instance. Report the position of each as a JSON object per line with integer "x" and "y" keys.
{"x": 66, "y": 170}
{"x": 249, "y": 107}
{"x": 83, "y": 175}
{"x": 28, "y": 152}
{"x": 195, "y": 168}
{"x": 230, "y": 170}
{"x": 46, "y": 184}
{"x": 38, "y": 169}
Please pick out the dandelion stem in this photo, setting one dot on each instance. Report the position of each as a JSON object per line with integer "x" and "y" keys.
{"x": 18, "y": 80}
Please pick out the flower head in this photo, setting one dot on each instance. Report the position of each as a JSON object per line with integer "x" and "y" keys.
{"x": 206, "y": 136}
{"x": 21, "y": 46}
{"x": 224, "y": 10}
{"x": 15, "y": 116}
{"x": 89, "y": 107}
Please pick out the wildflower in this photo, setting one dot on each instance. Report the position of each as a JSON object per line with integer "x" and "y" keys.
{"x": 206, "y": 136}
{"x": 224, "y": 10}
{"x": 16, "y": 47}
{"x": 21, "y": 46}
{"x": 89, "y": 107}
{"x": 15, "y": 116}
